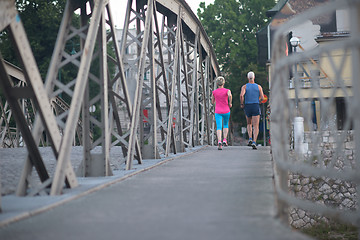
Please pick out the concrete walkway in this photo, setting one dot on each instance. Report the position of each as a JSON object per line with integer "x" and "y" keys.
{"x": 207, "y": 195}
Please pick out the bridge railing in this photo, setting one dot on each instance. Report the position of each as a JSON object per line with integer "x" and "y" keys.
{"x": 315, "y": 128}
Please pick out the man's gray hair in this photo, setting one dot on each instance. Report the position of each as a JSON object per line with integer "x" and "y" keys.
{"x": 251, "y": 75}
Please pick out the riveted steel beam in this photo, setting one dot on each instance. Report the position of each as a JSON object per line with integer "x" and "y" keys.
{"x": 35, "y": 90}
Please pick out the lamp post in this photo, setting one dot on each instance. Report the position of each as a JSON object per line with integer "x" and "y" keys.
{"x": 294, "y": 41}
{"x": 298, "y": 121}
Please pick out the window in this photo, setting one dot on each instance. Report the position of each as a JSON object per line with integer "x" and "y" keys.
{"x": 341, "y": 114}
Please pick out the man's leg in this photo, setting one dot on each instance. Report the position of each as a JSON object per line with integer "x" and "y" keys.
{"x": 249, "y": 126}
{"x": 255, "y": 124}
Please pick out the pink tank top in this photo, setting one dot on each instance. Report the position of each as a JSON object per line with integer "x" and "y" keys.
{"x": 221, "y": 100}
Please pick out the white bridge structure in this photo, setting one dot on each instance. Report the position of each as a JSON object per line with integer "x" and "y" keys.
{"x": 175, "y": 68}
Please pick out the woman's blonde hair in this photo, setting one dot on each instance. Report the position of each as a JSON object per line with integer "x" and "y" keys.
{"x": 220, "y": 81}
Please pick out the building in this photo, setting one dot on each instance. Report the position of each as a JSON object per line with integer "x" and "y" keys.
{"x": 317, "y": 70}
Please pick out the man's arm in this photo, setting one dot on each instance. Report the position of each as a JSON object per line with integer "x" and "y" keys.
{"x": 242, "y": 94}
{"x": 212, "y": 99}
{"x": 230, "y": 98}
{"x": 261, "y": 94}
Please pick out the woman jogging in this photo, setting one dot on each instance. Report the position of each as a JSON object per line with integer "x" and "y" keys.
{"x": 222, "y": 99}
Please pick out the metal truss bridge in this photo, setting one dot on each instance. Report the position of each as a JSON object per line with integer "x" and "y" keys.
{"x": 151, "y": 103}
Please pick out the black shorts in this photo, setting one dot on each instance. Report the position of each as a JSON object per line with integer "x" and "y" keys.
{"x": 252, "y": 109}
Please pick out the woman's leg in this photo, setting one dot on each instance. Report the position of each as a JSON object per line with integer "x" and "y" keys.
{"x": 218, "y": 134}
{"x": 226, "y": 118}
{"x": 218, "y": 120}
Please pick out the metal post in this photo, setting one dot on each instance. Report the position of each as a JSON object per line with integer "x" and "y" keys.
{"x": 173, "y": 83}
{"x": 296, "y": 86}
{"x": 161, "y": 87}
{"x": 264, "y": 130}
{"x": 82, "y": 77}
{"x": 138, "y": 93}
{"x": 269, "y": 41}
{"x": 355, "y": 33}
{"x": 153, "y": 119}
{"x": 197, "y": 50}
{"x": 279, "y": 131}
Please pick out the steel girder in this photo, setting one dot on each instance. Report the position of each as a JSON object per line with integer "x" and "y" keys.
{"x": 155, "y": 104}
{"x": 34, "y": 90}
{"x": 178, "y": 107}
{"x": 10, "y": 136}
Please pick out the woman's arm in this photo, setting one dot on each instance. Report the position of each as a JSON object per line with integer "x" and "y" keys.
{"x": 212, "y": 99}
{"x": 230, "y": 98}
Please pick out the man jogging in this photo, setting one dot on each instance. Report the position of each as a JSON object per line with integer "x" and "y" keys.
{"x": 250, "y": 97}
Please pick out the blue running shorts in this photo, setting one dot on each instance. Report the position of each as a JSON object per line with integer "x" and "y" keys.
{"x": 222, "y": 118}
{"x": 252, "y": 109}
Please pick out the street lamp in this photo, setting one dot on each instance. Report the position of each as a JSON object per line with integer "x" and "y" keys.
{"x": 298, "y": 121}
{"x": 295, "y": 42}
{"x": 73, "y": 51}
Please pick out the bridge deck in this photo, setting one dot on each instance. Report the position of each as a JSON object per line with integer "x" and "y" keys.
{"x": 210, "y": 194}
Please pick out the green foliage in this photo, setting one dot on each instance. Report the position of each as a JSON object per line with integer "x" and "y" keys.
{"x": 231, "y": 26}
{"x": 41, "y": 20}
{"x": 332, "y": 231}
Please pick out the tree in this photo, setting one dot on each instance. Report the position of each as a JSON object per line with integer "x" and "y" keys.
{"x": 231, "y": 26}
{"x": 41, "y": 20}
